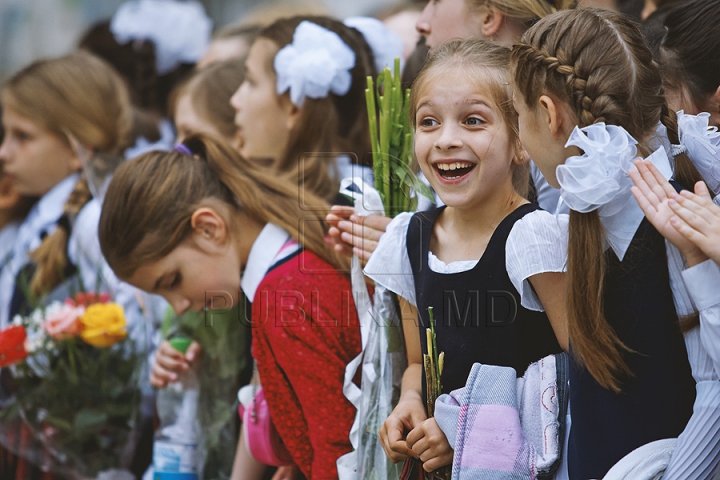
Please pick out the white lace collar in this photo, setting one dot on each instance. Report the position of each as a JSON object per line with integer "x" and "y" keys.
{"x": 599, "y": 180}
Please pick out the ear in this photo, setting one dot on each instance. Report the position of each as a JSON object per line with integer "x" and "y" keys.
{"x": 491, "y": 21}
{"x": 292, "y": 111}
{"x": 555, "y": 117}
{"x": 209, "y": 229}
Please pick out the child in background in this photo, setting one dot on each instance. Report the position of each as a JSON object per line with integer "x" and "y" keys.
{"x": 630, "y": 382}
{"x": 488, "y": 238}
{"x": 313, "y": 133}
{"x": 202, "y": 219}
{"x": 202, "y": 103}
{"x": 52, "y": 110}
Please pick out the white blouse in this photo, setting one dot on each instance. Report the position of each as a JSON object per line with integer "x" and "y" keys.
{"x": 537, "y": 243}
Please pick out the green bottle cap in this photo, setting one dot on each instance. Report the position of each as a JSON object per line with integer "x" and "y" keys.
{"x": 180, "y": 344}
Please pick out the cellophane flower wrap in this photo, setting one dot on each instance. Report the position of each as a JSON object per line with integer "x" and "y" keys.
{"x": 383, "y": 359}
{"x": 73, "y": 385}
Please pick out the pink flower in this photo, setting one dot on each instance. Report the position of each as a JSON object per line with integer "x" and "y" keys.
{"x": 64, "y": 322}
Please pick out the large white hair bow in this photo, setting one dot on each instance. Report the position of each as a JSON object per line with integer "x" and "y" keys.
{"x": 599, "y": 180}
{"x": 385, "y": 44}
{"x": 316, "y": 63}
{"x": 599, "y": 176}
{"x": 180, "y": 31}
{"x": 702, "y": 143}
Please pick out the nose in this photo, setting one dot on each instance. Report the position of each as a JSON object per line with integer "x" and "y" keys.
{"x": 448, "y": 138}
{"x": 5, "y": 150}
{"x": 179, "y": 304}
{"x": 423, "y": 22}
{"x": 235, "y": 100}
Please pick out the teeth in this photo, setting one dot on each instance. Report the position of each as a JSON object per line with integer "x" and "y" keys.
{"x": 453, "y": 166}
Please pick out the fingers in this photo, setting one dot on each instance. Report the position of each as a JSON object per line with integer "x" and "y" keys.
{"x": 692, "y": 213}
{"x": 159, "y": 377}
{"x": 193, "y": 352}
{"x": 642, "y": 192}
{"x": 701, "y": 190}
{"x": 430, "y": 444}
{"x": 391, "y": 439}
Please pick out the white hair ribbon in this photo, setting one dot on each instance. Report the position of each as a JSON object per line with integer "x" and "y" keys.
{"x": 599, "y": 180}
{"x": 314, "y": 65}
{"x": 180, "y": 31}
{"x": 385, "y": 44}
{"x": 702, "y": 144}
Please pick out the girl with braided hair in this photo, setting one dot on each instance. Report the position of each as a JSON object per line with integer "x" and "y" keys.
{"x": 59, "y": 114}
{"x": 589, "y": 98}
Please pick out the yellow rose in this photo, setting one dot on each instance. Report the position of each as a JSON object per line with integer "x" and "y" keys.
{"x": 104, "y": 324}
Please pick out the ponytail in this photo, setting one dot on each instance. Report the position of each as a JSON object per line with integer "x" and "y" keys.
{"x": 151, "y": 199}
{"x": 50, "y": 257}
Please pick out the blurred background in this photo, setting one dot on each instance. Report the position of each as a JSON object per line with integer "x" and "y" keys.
{"x": 32, "y": 29}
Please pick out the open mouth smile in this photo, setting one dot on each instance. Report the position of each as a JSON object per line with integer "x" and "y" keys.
{"x": 453, "y": 171}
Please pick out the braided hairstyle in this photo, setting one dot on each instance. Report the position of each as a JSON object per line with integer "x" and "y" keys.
{"x": 78, "y": 95}
{"x": 596, "y": 62}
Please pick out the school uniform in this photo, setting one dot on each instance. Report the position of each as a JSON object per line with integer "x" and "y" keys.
{"x": 305, "y": 331}
{"x": 483, "y": 309}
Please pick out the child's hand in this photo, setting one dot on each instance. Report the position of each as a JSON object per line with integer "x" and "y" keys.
{"x": 654, "y": 193}
{"x": 408, "y": 414}
{"x": 169, "y": 362}
{"x": 429, "y": 442}
{"x": 698, "y": 219}
{"x": 352, "y": 234}
{"x": 286, "y": 473}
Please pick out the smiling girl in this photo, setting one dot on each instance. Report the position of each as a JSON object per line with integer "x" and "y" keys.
{"x": 486, "y": 239}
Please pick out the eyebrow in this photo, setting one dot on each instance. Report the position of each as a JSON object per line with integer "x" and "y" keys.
{"x": 467, "y": 101}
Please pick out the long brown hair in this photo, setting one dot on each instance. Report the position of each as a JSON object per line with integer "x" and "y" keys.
{"x": 150, "y": 202}
{"x": 596, "y": 62}
{"x": 210, "y": 90}
{"x": 489, "y": 65}
{"x": 331, "y": 124}
{"x": 78, "y": 95}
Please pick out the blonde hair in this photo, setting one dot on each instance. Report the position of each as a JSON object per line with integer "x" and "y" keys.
{"x": 525, "y": 12}
{"x": 151, "y": 199}
{"x": 488, "y": 65}
{"x": 597, "y": 62}
{"x": 78, "y": 95}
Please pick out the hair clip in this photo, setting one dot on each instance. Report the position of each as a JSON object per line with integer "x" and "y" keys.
{"x": 182, "y": 148}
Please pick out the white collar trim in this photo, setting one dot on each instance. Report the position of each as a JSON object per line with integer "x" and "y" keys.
{"x": 263, "y": 255}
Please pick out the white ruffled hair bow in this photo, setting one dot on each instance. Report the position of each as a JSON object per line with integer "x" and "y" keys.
{"x": 315, "y": 64}
{"x": 702, "y": 143}
{"x": 385, "y": 44}
{"x": 180, "y": 31}
{"x": 599, "y": 180}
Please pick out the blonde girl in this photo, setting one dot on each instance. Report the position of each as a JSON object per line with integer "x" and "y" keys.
{"x": 191, "y": 223}
{"x": 56, "y": 114}
{"x": 486, "y": 239}
{"x": 630, "y": 381}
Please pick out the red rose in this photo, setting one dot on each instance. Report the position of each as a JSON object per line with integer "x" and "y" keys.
{"x": 12, "y": 345}
{"x": 84, "y": 299}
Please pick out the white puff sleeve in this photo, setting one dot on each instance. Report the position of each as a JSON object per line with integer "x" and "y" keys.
{"x": 537, "y": 244}
{"x": 389, "y": 264}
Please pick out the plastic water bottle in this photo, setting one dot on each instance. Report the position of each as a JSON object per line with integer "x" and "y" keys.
{"x": 175, "y": 450}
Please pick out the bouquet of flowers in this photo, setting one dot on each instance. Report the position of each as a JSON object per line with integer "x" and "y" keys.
{"x": 74, "y": 386}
